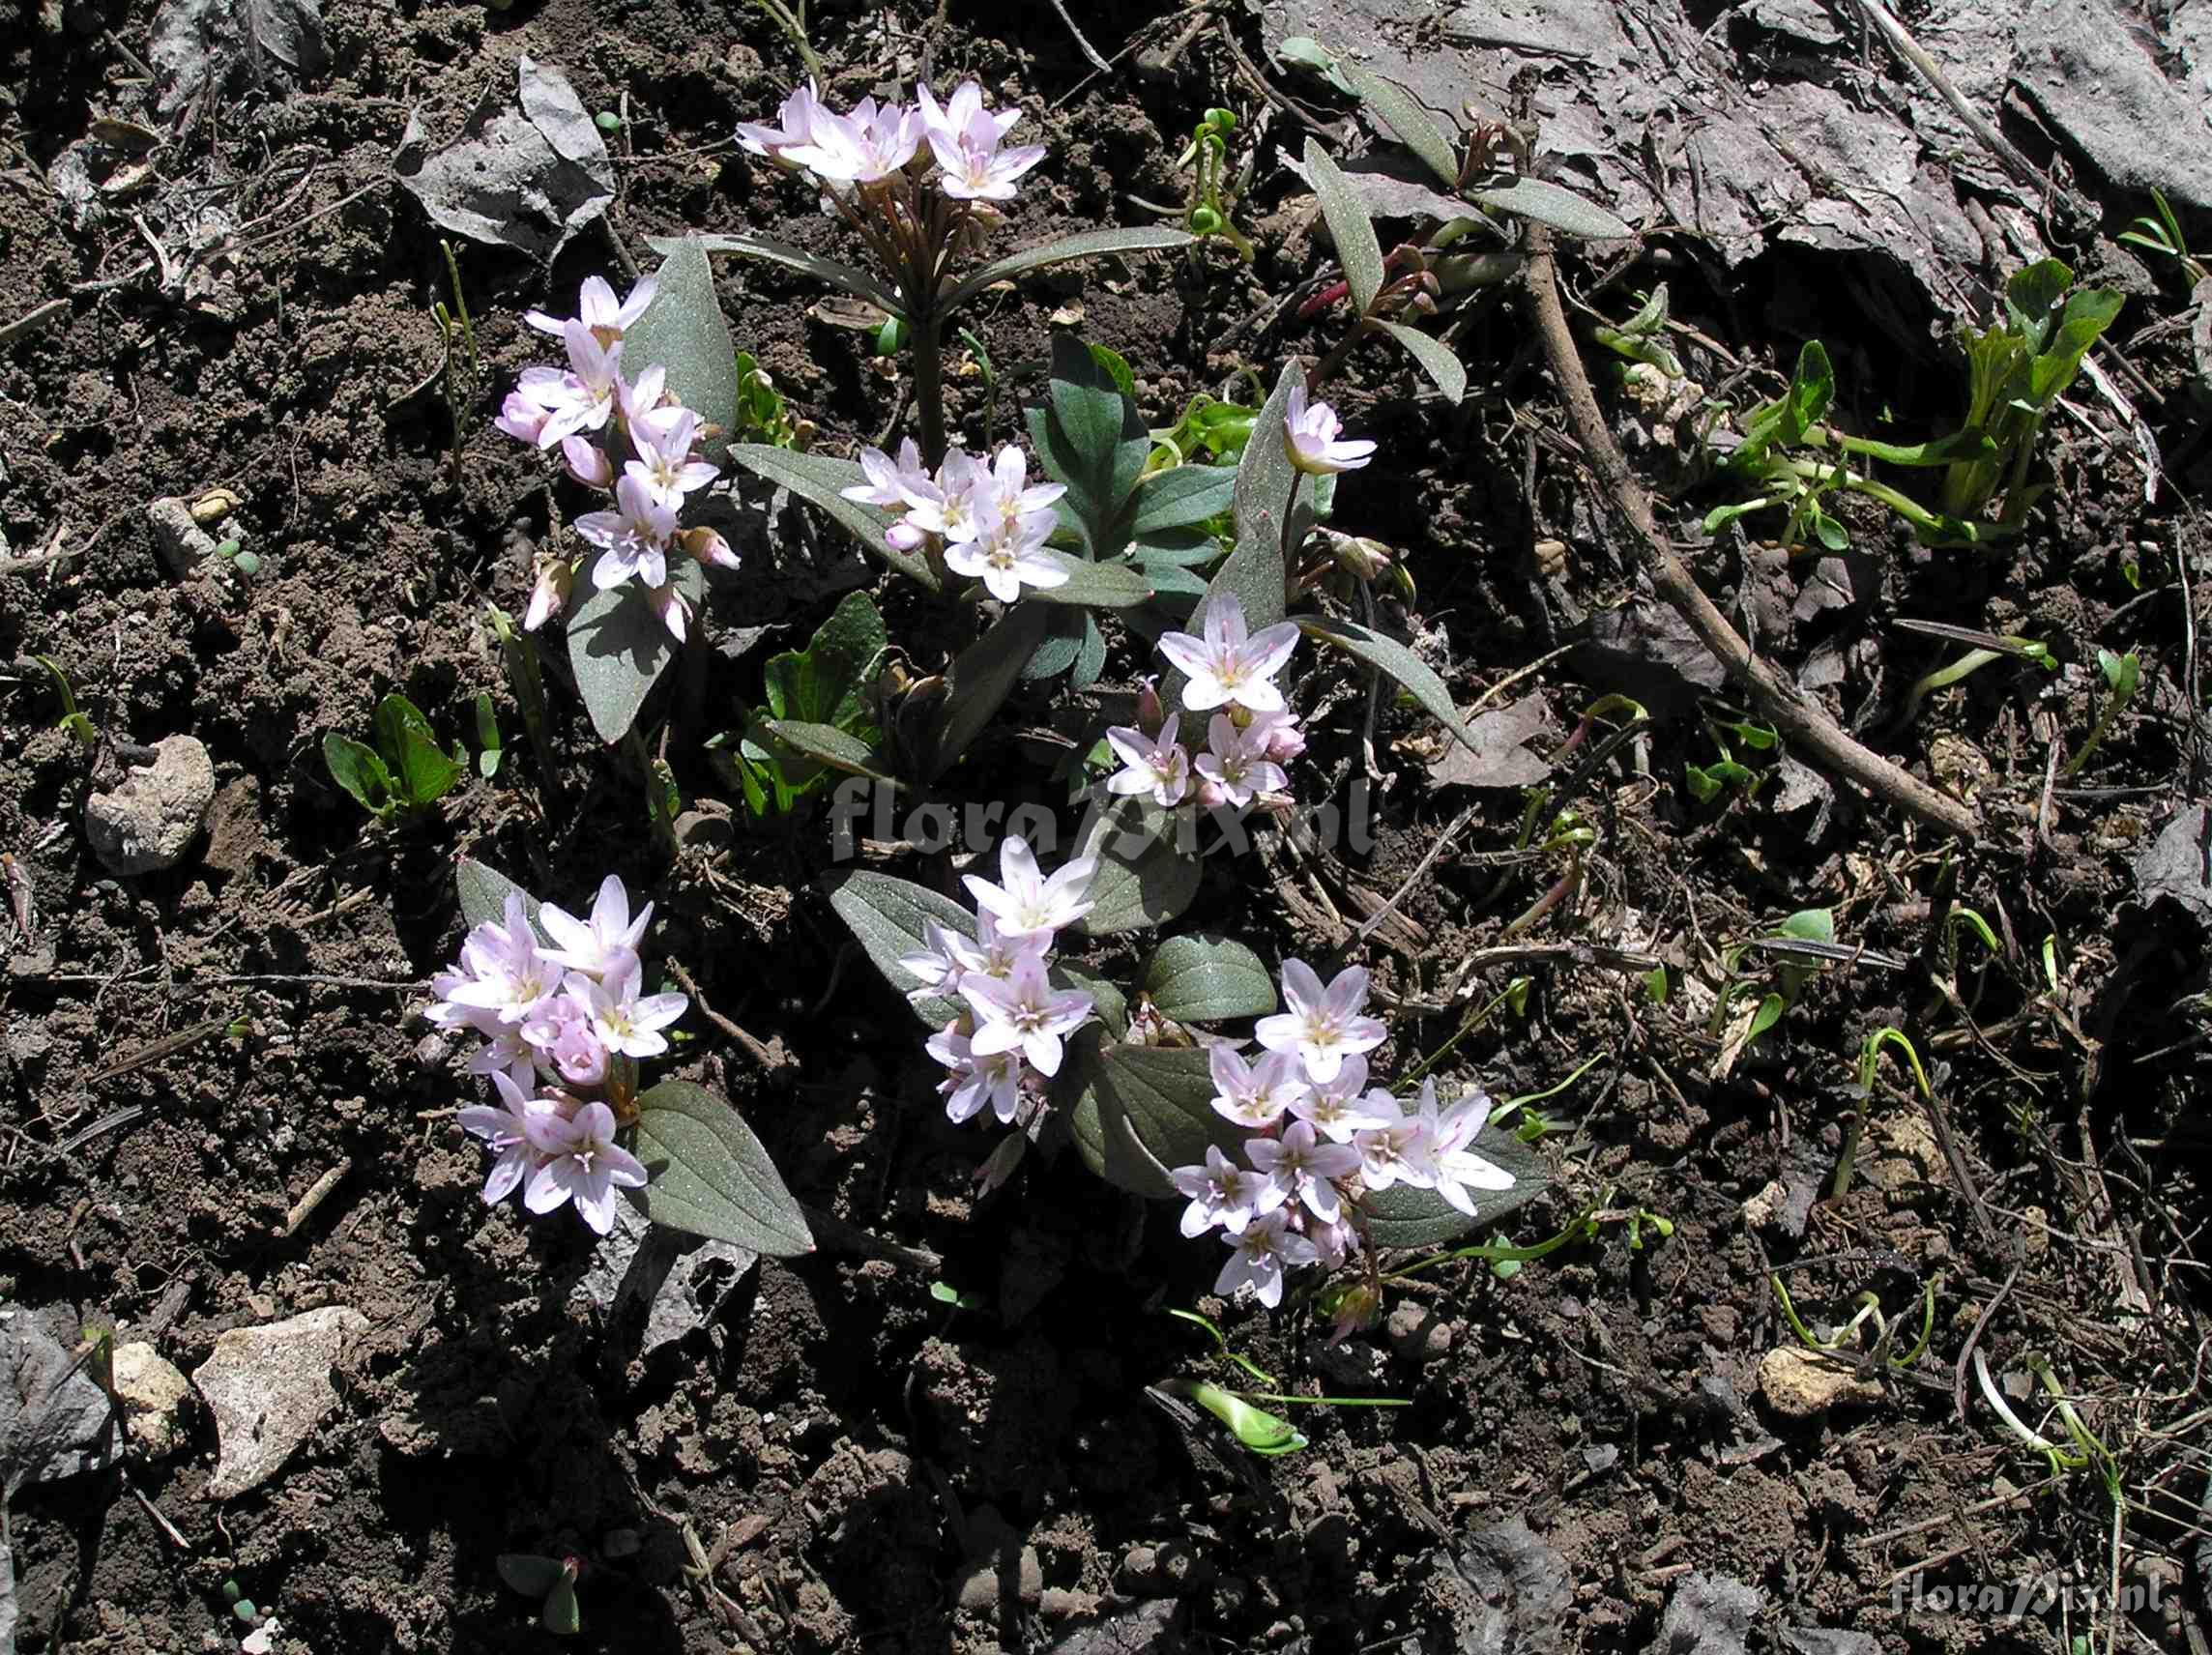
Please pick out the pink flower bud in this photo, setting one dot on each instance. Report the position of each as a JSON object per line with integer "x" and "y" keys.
{"x": 708, "y": 547}
{"x": 550, "y": 595}
{"x": 1151, "y": 714}
{"x": 521, "y": 419}
{"x": 1284, "y": 741}
{"x": 586, "y": 462}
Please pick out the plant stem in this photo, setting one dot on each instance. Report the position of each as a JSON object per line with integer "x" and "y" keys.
{"x": 929, "y": 383}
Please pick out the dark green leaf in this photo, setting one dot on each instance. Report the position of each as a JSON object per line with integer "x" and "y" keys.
{"x": 528, "y": 1573}
{"x": 482, "y": 892}
{"x": 1437, "y": 358}
{"x": 829, "y": 746}
{"x": 1147, "y": 1111}
{"x": 1349, "y": 227}
{"x": 1107, "y": 1001}
{"x": 1180, "y": 497}
{"x": 2032, "y": 294}
{"x": 683, "y": 331}
{"x": 816, "y": 479}
{"x": 421, "y": 771}
{"x": 560, "y": 1616}
{"x": 1266, "y": 485}
{"x": 618, "y": 647}
{"x": 978, "y": 683}
{"x": 888, "y": 917}
{"x": 828, "y": 682}
{"x": 1812, "y": 388}
{"x": 1404, "y": 1217}
{"x": 1396, "y": 661}
{"x": 1397, "y": 108}
{"x": 2088, "y": 313}
{"x": 1547, "y": 203}
{"x": 1203, "y": 979}
{"x": 710, "y": 1176}
{"x": 1144, "y": 877}
{"x": 1091, "y": 244}
{"x": 361, "y": 770}
{"x": 1094, "y": 586}
{"x": 844, "y": 278}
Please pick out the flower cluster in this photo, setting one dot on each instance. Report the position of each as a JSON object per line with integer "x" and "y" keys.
{"x": 1011, "y": 1039}
{"x": 1322, "y": 1138}
{"x": 562, "y": 1030}
{"x": 874, "y": 143}
{"x": 594, "y": 415}
{"x": 1247, "y": 742}
{"x": 991, "y": 520}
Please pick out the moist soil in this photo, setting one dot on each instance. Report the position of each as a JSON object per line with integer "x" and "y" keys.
{"x": 839, "y": 1460}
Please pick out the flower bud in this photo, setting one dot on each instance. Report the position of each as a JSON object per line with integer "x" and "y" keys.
{"x": 586, "y": 462}
{"x": 1358, "y": 555}
{"x": 1151, "y": 713}
{"x": 550, "y": 595}
{"x": 1285, "y": 739}
{"x": 708, "y": 547}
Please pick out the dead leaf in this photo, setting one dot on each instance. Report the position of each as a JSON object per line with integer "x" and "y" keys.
{"x": 1499, "y": 757}
{"x": 526, "y": 177}
{"x": 218, "y": 45}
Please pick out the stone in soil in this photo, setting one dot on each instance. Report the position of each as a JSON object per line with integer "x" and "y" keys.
{"x": 144, "y": 824}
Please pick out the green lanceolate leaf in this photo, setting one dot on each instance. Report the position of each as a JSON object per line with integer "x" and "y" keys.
{"x": 888, "y": 918}
{"x": 1203, "y": 979}
{"x": 1547, "y": 203}
{"x": 1349, "y": 227}
{"x": 978, "y": 683}
{"x": 482, "y": 892}
{"x": 1145, "y": 878}
{"x": 1396, "y": 661}
{"x": 684, "y": 332}
{"x": 561, "y": 1614}
{"x": 1147, "y": 1111}
{"x": 1182, "y": 497}
{"x": 1091, "y": 244}
{"x": 1094, "y": 586}
{"x": 828, "y": 744}
{"x": 361, "y": 770}
{"x": 708, "y": 1176}
{"x": 1812, "y": 388}
{"x": 1397, "y": 108}
{"x": 527, "y": 1572}
{"x": 422, "y": 773}
{"x": 1404, "y": 1217}
{"x": 618, "y": 647}
{"x": 1101, "y": 440}
{"x": 1437, "y": 358}
{"x": 844, "y": 278}
{"x": 816, "y": 479}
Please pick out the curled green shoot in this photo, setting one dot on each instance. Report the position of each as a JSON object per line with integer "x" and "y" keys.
{"x": 2123, "y": 674}
{"x": 1869, "y": 1062}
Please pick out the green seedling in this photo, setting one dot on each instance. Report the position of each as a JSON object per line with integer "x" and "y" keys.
{"x": 821, "y": 718}
{"x": 1210, "y": 431}
{"x": 763, "y": 415}
{"x": 1257, "y": 1430}
{"x": 552, "y": 1581}
{"x": 1813, "y": 926}
{"x": 489, "y": 747}
{"x": 988, "y": 371}
{"x": 1867, "y": 1314}
{"x": 404, "y": 774}
{"x": 2017, "y": 370}
{"x": 1869, "y": 1062}
{"x": 242, "y": 1608}
{"x": 2122, "y": 674}
{"x": 2163, "y": 235}
{"x": 463, "y": 370}
{"x": 1213, "y": 193}
{"x": 1985, "y": 649}
{"x": 527, "y": 684}
{"x": 72, "y": 720}
{"x": 2083, "y": 1450}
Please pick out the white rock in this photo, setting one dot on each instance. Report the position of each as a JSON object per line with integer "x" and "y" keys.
{"x": 1801, "y": 1384}
{"x": 269, "y": 1388}
{"x": 145, "y": 824}
{"x": 152, "y": 1390}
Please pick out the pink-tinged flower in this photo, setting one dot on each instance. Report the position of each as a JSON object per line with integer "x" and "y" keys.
{"x": 1284, "y": 741}
{"x": 1335, "y": 1243}
{"x": 1026, "y": 904}
{"x": 586, "y": 462}
{"x": 521, "y": 415}
{"x": 1311, "y": 440}
{"x": 1459, "y": 1169}
{"x": 505, "y": 1132}
{"x": 992, "y": 1078}
{"x": 507, "y": 1048}
{"x": 1252, "y": 1094}
{"x": 1024, "y": 1013}
{"x": 668, "y": 605}
{"x": 562, "y": 1035}
{"x": 501, "y": 972}
{"x": 645, "y": 397}
{"x": 549, "y": 593}
{"x": 1225, "y": 667}
{"x": 1337, "y": 1111}
{"x": 608, "y": 942}
{"x": 1221, "y": 1194}
{"x": 938, "y": 965}
{"x": 583, "y": 1164}
{"x": 1008, "y": 498}
{"x": 1005, "y": 557}
{"x": 1261, "y": 1251}
{"x": 965, "y": 138}
{"x": 582, "y": 398}
{"x": 1397, "y": 1149}
{"x": 597, "y": 309}
{"x": 946, "y": 504}
{"x": 795, "y": 125}
{"x": 894, "y": 484}
{"x": 1158, "y": 766}
{"x": 623, "y": 1021}
{"x": 665, "y": 463}
{"x": 632, "y": 538}
{"x": 1237, "y": 763}
{"x": 1300, "y": 1167}
{"x": 864, "y": 147}
{"x": 1323, "y": 1027}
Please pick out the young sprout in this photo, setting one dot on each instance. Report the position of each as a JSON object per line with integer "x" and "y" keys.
{"x": 1986, "y": 647}
{"x": 1870, "y": 1061}
{"x": 72, "y": 720}
{"x": 2122, "y": 674}
{"x": 1869, "y": 1311}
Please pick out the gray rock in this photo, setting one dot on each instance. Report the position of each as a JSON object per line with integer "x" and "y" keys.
{"x": 144, "y": 824}
{"x": 269, "y": 1388}
{"x": 54, "y": 1419}
{"x": 1830, "y": 1641}
{"x": 1522, "y": 1581}
{"x": 1709, "y": 1614}
{"x": 667, "y": 1273}
{"x": 2174, "y": 866}
{"x": 185, "y": 544}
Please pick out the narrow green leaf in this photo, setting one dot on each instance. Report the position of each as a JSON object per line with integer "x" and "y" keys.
{"x": 1547, "y": 203}
{"x": 844, "y": 278}
{"x": 1349, "y": 226}
{"x": 1108, "y": 1001}
{"x": 978, "y": 683}
{"x": 1144, "y": 878}
{"x": 1091, "y": 244}
{"x": 1437, "y": 358}
{"x": 709, "y": 1174}
{"x": 360, "y": 770}
{"x": 1265, "y": 485}
{"x": 1404, "y": 1217}
{"x": 683, "y": 331}
{"x": 816, "y": 479}
{"x": 1181, "y": 496}
{"x": 888, "y": 917}
{"x": 1101, "y": 442}
{"x": 1398, "y": 663}
{"x": 560, "y": 1616}
{"x": 1094, "y": 586}
{"x": 1203, "y": 979}
{"x": 618, "y": 647}
{"x": 1417, "y": 130}
{"x": 489, "y": 747}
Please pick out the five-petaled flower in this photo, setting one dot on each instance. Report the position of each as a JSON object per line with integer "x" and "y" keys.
{"x": 1252, "y": 1094}
{"x": 623, "y": 1021}
{"x": 1236, "y": 764}
{"x": 1311, "y": 438}
{"x": 582, "y": 1163}
{"x": 598, "y": 310}
{"x": 1221, "y": 1194}
{"x": 1154, "y": 765}
{"x": 633, "y": 538}
{"x": 977, "y": 1078}
{"x": 965, "y": 138}
{"x": 1323, "y": 1025}
{"x": 1300, "y": 1167}
{"x": 606, "y": 941}
{"x": 1025, "y": 903}
{"x": 1024, "y": 1013}
{"x": 1259, "y": 1254}
{"x": 507, "y": 1133}
{"x": 1226, "y": 667}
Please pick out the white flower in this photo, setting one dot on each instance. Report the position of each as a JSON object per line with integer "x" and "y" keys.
{"x": 864, "y": 147}
{"x": 1459, "y": 1169}
{"x": 992, "y": 1077}
{"x": 597, "y": 309}
{"x": 1337, "y": 1111}
{"x": 633, "y": 538}
{"x": 1024, "y": 1012}
{"x": 1006, "y": 557}
{"x": 583, "y": 1163}
{"x": 500, "y": 974}
{"x": 606, "y": 941}
{"x": 1323, "y": 1027}
{"x": 965, "y": 137}
{"x": 505, "y": 1132}
{"x": 1263, "y": 1249}
{"x": 1221, "y": 1194}
{"x": 795, "y": 125}
{"x": 665, "y": 463}
{"x": 902, "y": 483}
{"x": 1300, "y": 1167}
{"x": 1225, "y": 667}
{"x": 1235, "y": 763}
{"x": 1006, "y": 496}
{"x": 1252, "y": 1094}
{"x": 937, "y": 962}
{"x": 1026, "y": 904}
{"x": 1158, "y": 766}
{"x": 945, "y": 505}
{"x": 1396, "y": 1150}
{"x": 623, "y": 1022}
{"x": 1310, "y": 438}
{"x": 580, "y": 399}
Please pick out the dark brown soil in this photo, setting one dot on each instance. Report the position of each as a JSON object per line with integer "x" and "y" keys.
{"x": 867, "y": 1467}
